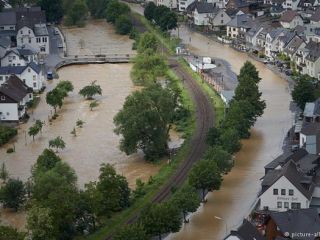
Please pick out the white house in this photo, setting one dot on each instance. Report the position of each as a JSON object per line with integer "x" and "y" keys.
{"x": 7, "y": 21}
{"x": 172, "y": 4}
{"x": 30, "y": 74}
{"x": 218, "y": 18}
{"x": 14, "y": 95}
{"x": 19, "y": 57}
{"x": 239, "y": 25}
{"x": 272, "y": 42}
{"x": 199, "y": 13}
{"x": 291, "y": 4}
{"x": 291, "y": 19}
{"x": 312, "y": 62}
{"x": 286, "y": 188}
{"x": 183, "y": 4}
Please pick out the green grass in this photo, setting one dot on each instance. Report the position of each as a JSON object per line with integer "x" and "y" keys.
{"x": 217, "y": 102}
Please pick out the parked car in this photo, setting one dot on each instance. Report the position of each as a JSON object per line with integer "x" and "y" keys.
{"x": 56, "y": 31}
{"x": 49, "y": 75}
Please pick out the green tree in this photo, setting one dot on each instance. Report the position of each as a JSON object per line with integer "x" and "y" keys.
{"x": 55, "y": 98}
{"x": 97, "y": 7}
{"x": 65, "y": 86}
{"x": 77, "y": 13}
{"x": 45, "y": 162}
{"x": 168, "y": 21}
{"x": 213, "y": 136}
{"x": 205, "y": 175}
{"x": 53, "y": 9}
{"x": 116, "y": 9}
{"x": 147, "y": 68}
{"x": 9, "y": 233}
{"x": 89, "y": 91}
{"x": 57, "y": 143}
{"x": 6, "y": 133}
{"x": 4, "y": 174}
{"x": 93, "y": 105}
{"x": 147, "y": 41}
{"x": 12, "y": 194}
{"x": 303, "y": 91}
{"x": 230, "y": 140}
{"x": 40, "y": 223}
{"x": 123, "y": 25}
{"x": 33, "y": 131}
{"x": 39, "y": 124}
{"x": 149, "y": 11}
{"x": 132, "y": 232}
{"x": 222, "y": 158}
{"x": 145, "y": 120}
{"x": 187, "y": 200}
{"x": 158, "y": 219}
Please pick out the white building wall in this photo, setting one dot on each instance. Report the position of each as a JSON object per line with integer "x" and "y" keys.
{"x": 9, "y": 112}
{"x": 268, "y": 199}
{"x": 13, "y": 59}
{"x": 7, "y": 27}
{"x": 172, "y": 4}
{"x": 201, "y": 19}
{"x": 232, "y": 32}
{"x": 32, "y": 79}
{"x": 221, "y": 19}
{"x": 183, "y": 4}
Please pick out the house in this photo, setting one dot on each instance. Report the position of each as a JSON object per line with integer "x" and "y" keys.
{"x": 286, "y": 188}
{"x": 199, "y": 12}
{"x": 310, "y": 137}
{"x": 307, "y": 4}
{"x": 312, "y": 62}
{"x": 30, "y": 74}
{"x": 218, "y": 18}
{"x": 315, "y": 18}
{"x": 291, "y": 4}
{"x": 290, "y": 19}
{"x": 227, "y": 96}
{"x": 311, "y": 112}
{"x": 237, "y": 5}
{"x": 293, "y": 224}
{"x": 252, "y": 35}
{"x": 19, "y": 57}
{"x": 293, "y": 46}
{"x": 285, "y": 40}
{"x": 218, "y": 3}
{"x": 183, "y": 4}
{"x": 246, "y": 231}
{"x": 8, "y": 21}
{"x": 272, "y": 42}
{"x": 172, "y": 4}
{"x": 238, "y": 26}
{"x": 14, "y": 95}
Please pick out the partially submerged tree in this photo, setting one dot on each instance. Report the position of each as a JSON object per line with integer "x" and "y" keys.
{"x": 57, "y": 143}
{"x": 12, "y": 194}
{"x": 91, "y": 90}
{"x": 93, "y": 105}
{"x": 55, "y": 98}
{"x": 33, "y": 131}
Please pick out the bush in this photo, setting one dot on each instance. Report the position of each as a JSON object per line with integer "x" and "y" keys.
{"x": 7, "y": 133}
{"x": 10, "y": 150}
{"x": 123, "y": 25}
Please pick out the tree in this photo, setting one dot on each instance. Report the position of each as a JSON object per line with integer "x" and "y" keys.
{"x": 222, "y": 158}
{"x": 132, "y": 232}
{"x": 303, "y": 91}
{"x": 123, "y": 25}
{"x": 149, "y": 11}
{"x": 89, "y": 91}
{"x": 40, "y": 223}
{"x": 147, "y": 41}
{"x": 9, "y": 233}
{"x": 33, "y": 131}
{"x": 12, "y": 194}
{"x": 158, "y": 219}
{"x": 93, "y": 105}
{"x": 53, "y": 9}
{"x": 97, "y": 7}
{"x": 65, "y": 86}
{"x": 230, "y": 140}
{"x": 39, "y": 124}
{"x": 205, "y": 175}
{"x": 187, "y": 200}
{"x": 116, "y": 9}
{"x": 77, "y": 13}
{"x": 213, "y": 136}
{"x": 45, "y": 162}
{"x": 168, "y": 21}
{"x": 57, "y": 143}
{"x": 55, "y": 98}
{"x": 145, "y": 120}
{"x": 4, "y": 174}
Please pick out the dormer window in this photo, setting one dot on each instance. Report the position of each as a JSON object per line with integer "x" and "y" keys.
{"x": 3, "y": 98}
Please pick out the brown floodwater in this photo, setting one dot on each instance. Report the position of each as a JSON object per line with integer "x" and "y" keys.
{"x": 227, "y": 207}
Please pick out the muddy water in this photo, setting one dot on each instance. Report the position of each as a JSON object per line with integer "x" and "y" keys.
{"x": 227, "y": 207}
{"x": 97, "y": 37}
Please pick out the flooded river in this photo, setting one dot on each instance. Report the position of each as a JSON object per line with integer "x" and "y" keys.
{"x": 227, "y": 207}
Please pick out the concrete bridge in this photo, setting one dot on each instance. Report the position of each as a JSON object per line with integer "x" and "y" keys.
{"x": 95, "y": 59}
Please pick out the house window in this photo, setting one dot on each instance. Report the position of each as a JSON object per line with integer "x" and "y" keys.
{"x": 283, "y": 192}
{"x": 14, "y": 57}
{"x": 275, "y": 191}
{"x": 1, "y": 78}
{"x": 29, "y": 40}
{"x": 44, "y": 39}
{"x": 24, "y": 81}
{"x": 3, "y": 98}
{"x": 295, "y": 205}
{"x": 30, "y": 95}
{"x": 34, "y": 84}
{"x": 7, "y": 77}
{"x": 42, "y": 49}
{"x": 21, "y": 32}
{"x": 279, "y": 204}
{"x": 11, "y": 28}
{"x": 222, "y": 21}
{"x": 286, "y": 205}
{"x": 290, "y": 192}
{"x": 29, "y": 70}
{"x": 38, "y": 39}
{"x": 29, "y": 32}
{"x": 8, "y": 113}
{"x": 34, "y": 77}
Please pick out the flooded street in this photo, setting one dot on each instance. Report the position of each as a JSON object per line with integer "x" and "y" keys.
{"x": 227, "y": 207}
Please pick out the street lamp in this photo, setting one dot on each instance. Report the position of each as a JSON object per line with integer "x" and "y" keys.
{"x": 221, "y": 219}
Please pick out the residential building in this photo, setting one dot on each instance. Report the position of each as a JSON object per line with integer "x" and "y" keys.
{"x": 199, "y": 13}
{"x": 237, "y": 5}
{"x": 14, "y": 95}
{"x": 291, "y": 4}
{"x": 297, "y": 43}
{"x": 293, "y": 224}
{"x": 218, "y": 18}
{"x": 8, "y": 21}
{"x": 246, "y": 231}
{"x": 30, "y": 74}
{"x": 285, "y": 40}
{"x": 238, "y": 26}
{"x": 183, "y": 4}
{"x": 19, "y": 57}
{"x": 312, "y": 62}
{"x": 305, "y": 5}
{"x": 252, "y": 36}
{"x": 310, "y": 137}
{"x": 286, "y": 188}
{"x": 272, "y": 42}
{"x": 315, "y": 18}
{"x": 172, "y": 4}
{"x": 290, "y": 19}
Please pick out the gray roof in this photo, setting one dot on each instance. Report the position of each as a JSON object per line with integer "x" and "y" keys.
{"x": 19, "y": 69}
{"x": 15, "y": 89}
{"x": 41, "y": 30}
{"x": 285, "y": 157}
{"x": 287, "y": 37}
{"x": 30, "y": 18}
{"x": 291, "y": 172}
{"x": 316, "y": 16}
{"x": 298, "y": 221}
{"x": 312, "y": 108}
{"x": 314, "y": 54}
{"x": 8, "y": 18}
{"x": 202, "y": 7}
{"x": 294, "y": 45}
{"x": 228, "y": 94}
{"x": 274, "y": 33}
{"x": 242, "y": 20}
{"x": 288, "y": 16}
{"x": 247, "y": 232}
